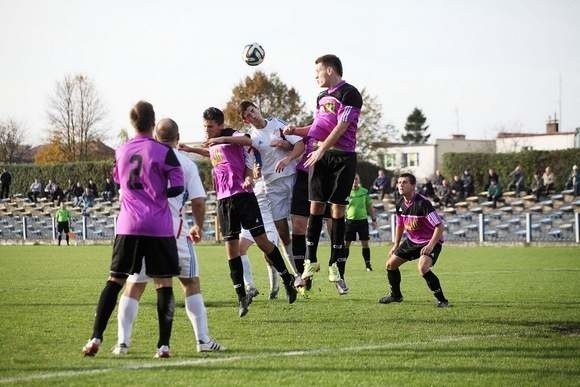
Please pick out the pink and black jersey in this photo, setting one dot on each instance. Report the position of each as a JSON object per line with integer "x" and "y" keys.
{"x": 419, "y": 219}
{"x": 341, "y": 103}
{"x": 148, "y": 173}
{"x": 229, "y": 166}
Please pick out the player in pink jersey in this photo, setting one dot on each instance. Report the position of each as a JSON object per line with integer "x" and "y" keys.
{"x": 424, "y": 230}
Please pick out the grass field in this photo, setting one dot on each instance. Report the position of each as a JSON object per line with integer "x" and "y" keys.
{"x": 515, "y": 320}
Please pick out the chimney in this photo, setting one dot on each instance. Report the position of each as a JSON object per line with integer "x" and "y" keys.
{"x": 552, "y": 125}
{"x": 458, "y": 136}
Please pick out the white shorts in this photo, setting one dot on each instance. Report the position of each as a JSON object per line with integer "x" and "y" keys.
{"x": 188, "y": 265}
{"x": 279, "y": 193}
{"x": 271, "y": 233}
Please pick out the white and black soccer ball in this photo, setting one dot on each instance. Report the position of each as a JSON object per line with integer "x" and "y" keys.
{"x": 253, "y": 54}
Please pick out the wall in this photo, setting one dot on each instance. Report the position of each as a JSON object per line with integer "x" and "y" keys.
{"x": 540, "y": 142}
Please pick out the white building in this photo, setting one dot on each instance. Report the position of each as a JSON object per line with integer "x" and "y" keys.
{"x": 553, "y": 139}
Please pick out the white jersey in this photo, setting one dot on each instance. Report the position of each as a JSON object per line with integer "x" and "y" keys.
{"x": 261, "y": 140}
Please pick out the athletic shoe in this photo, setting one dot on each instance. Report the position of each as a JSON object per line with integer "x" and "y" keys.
{"x": 243, "y": 307}
{"x": 390, "y": 298}
{"x": 443, "y": 304}
{"x": 309, "y": 269}
{"x": 92, "y": 347}
{"x": 162, "y": 352}
{"x": 252, "y": 292}
{"x": 369, "y": 267}
{"x": 120, "y": 349}
{"x": 308, "y": 285}
{"x": 333, "y": 273}
{"x": 291, "y": 291}
{"x": 299, "y": 282}
{"x": 341, "y": 287}
{"x": 210, "y": 346}
{"x": 273, "y": 294}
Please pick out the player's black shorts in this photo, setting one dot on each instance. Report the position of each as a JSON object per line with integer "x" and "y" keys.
{"x": 160, "y": 254}
{"x": 353, "y": 227}
{"x": 300, "y": 203}
{"x": 240, "y": 210}
{"x": 331, "y": 177}
{"x": 62, "y": 226}
{"x": 410, "y": 251}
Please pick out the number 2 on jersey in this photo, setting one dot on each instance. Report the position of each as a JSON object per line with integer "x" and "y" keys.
{"x": 135, "y": 173}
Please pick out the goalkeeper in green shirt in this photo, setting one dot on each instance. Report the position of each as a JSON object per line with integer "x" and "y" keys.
{"x": 63, "y": 223}
{"x": 357, "y": 213}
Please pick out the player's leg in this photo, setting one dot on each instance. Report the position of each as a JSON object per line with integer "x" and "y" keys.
{"x": 366, "y": 253}
{"x": 279, "y": 193}
{"x": 245, "y": 242}
{"x": 394, "y": 277}
{"x": 425, "y": 265}
{"x": 275, "y": 257}
{"x": 300, "y": 210}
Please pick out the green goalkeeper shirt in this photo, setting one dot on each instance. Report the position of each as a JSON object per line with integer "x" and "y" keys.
{"x": 62, "y": 215}
{"x": 358, "y": 202}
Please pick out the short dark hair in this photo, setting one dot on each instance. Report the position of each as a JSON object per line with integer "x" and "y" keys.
{"x": 243, "y": 106}
{"x": 330, "y": 60}
{"x": 409, "y": 176}
{"x": 142, "y": 116}
{"x": 214, "y": 114}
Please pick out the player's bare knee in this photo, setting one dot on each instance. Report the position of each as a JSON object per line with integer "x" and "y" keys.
{"x": 135, "y": 290}
{"x": 190, "y": 286}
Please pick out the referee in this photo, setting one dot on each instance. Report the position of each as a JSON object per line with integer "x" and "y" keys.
{"x": 63, "y": 222}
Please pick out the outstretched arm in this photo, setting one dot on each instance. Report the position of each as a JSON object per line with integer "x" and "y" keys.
{"x": 197, "y": 150}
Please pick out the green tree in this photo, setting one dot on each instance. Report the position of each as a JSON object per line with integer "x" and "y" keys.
{"x": 415, "y": 128}
{"x": 74, "y": 115}
{"x": 370, "y": 127}
{"x": 271, "y": 95}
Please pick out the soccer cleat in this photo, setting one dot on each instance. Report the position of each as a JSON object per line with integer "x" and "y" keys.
{"x": 120, "y": 349}
{"x": 162, "y": 352}
{"x": 309, "y": 269}
{"x": 291, "y": 291}
{"x": 252, "y": 292}
{"x": 333, "y": 273}
{"x": 92, "y": 347}
{"x": 273, "y": 294}
{"x": 390, "y": 298}
{"x": 210, "y": 346}
{"x": 369, "y": 267}
{"x": 299, "y": 282}
{"x": 341, "y": 287}
{"x": 243, "y": 306}
{"x": 443, "y": 304}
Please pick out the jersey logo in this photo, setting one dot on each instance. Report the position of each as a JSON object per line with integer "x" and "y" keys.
{"x": 216, "y": 157}
{"x": 411, "y": 224}
{"x": 328, "y": 107}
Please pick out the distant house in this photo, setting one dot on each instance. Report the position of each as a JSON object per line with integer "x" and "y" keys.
{"x": 553, "y": 139}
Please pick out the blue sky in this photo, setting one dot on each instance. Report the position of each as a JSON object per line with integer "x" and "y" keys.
{"x": 473, "y": 67}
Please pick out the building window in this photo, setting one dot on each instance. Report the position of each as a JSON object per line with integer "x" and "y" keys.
{"x": 410, "y": 160}
{"x": 389, "y": 160}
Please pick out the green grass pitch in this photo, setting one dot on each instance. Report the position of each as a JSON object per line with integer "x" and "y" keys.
{"x": 515, "y": 320}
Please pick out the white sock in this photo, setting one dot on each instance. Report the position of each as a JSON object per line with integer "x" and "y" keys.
{"x": 126, "y": 315}
{"x": 273, "y": 277}
{"x": 290, "y": 257}
{"x": 248, "y": 279}
{"x": 197, "y": 315}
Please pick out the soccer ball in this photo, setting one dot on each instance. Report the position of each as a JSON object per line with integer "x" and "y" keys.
{"x": 253, "y": 54}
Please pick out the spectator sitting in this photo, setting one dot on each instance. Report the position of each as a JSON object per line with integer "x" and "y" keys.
{"x": 87, "y": 199}
{"x": 57, "y": 195}
{"x": 35, "y": 191}
{"x": 537, "y": 186}
{"x": 491, "y": 176}
{"x": 573, "y": 181}
{"x": 457, "y": 189}
{"x": 517, "y": 183}
{"x": 437, "y": 179}
{"x": 548, "y": 180}
{"x": 468, "y": 187}
{"x": 77, "y": 194}
{"x": 109, "y": 190}
{"x": 444, "y": 195}
{"x": 49, "y": 189}
{"x": 494, "y": 192}
{"x": 381, "y": 184}
{"x": 68, "y": 192}
{"x": 427, "y": 190}
{"x": 93, "y": 188}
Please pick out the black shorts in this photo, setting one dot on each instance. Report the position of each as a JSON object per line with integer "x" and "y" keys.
{"x": 240, "y": 210}
{"x": 62, "y": 226}
{"x": 353, "y": 227}
{"x": 410, "y": 251}
{"x": 159, "y": 253}
{"x": 330, "y": 179}
{"x": 300, "y": 203}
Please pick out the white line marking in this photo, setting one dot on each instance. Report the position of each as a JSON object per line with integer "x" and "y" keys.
{"x": 204, "y": 361}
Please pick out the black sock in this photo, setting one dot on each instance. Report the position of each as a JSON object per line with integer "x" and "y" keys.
{"x": 66, "y": 237}
{"x": 341, "y": 263}
{"x": 313, "y": 236}
{"x": 394, "y": 277}
{"x": 105, "y": 307}
{"x": 278, "y": 262}
{"x": 434, "y": 285}
{"x": 337, "y": 240}
{"x": 299, "y": 250}
{"x": 165, "y": 310}
{"x": 59, "y": 239}
{"x": 237, "y": 276}
{"x": 366, "y": 252}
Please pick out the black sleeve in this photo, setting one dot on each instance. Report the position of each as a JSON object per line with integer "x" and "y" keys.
{"x": 351, "y": 97}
